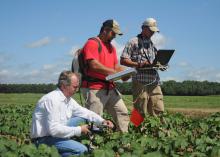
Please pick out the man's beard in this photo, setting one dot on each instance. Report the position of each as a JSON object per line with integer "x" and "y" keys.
{"x": 110, "y": 40}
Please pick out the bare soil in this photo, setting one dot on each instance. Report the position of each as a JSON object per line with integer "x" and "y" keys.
{"x": 191, "y": 112}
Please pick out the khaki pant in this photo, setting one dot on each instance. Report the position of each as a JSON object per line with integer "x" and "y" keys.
{"x": 99, "y": 100}
{"x": 147, "y": 99}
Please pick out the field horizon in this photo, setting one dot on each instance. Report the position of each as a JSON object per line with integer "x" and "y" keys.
{"x": 188, "y": 105}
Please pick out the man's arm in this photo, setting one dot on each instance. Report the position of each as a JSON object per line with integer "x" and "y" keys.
{"x": 119, "y": 68}
{"x": 130, "y": 63}
{"x": 96, "y": 66}
{"x": 79, "y": 111}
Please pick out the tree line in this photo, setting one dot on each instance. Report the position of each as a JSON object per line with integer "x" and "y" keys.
{"x": 190, "y": 88}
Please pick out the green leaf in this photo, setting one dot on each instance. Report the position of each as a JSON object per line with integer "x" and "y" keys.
{"x": 180, "y": 142}
{"x": 138, "y": 152}
{"x": 215, "y": 152}
{"x": 115, "y": 136}
{"x": 54, "y": 152}
{"x": 9, "y": 154}
{"x": 127, "y": 155}
{"x": 199, "y": 154}
{"x": 2, "y": 147}
{"x": 98, "y": 139}
{"x": 103, "y": 153}
{"x": 204, "y": 126}
{"x": 44, "y": 149}
{"x": 154, "y": 122}
{"x": 27, "y": 150}
{"x": 153, "y": 154}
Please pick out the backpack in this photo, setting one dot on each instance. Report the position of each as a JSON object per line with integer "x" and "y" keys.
{"x": 78, "y": 64}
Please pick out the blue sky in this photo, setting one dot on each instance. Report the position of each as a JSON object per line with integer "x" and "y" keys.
{"x": 38, "y": 37}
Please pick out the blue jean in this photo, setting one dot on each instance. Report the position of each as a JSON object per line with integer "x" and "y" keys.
{"x": 65, "y": 147}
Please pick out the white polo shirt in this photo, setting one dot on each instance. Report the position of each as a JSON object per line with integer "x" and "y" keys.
{"x": 52, "y": 113}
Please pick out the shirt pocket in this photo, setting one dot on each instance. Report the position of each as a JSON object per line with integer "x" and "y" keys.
{"x": 63, "y": 117}
{"x": 69, "y": 114}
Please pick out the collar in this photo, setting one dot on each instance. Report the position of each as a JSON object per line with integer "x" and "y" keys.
{"x": 62, "y": 96}
{"x": 140, "y": 36}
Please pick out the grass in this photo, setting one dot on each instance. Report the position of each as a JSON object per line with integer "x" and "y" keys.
{"x": 24, "y": 98}
{"x": 192, "y": 101}
{"x": 184, "y": 101}
{"x": 19, "y": 98}
{"x": 170, "y": 101}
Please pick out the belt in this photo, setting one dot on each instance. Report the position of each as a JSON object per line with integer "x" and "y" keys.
{"x": 38, "y": 138}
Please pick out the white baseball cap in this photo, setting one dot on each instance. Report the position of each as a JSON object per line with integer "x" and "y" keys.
{"x": 151, "y": 23}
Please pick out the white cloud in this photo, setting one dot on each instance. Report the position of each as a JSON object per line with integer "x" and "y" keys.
{"x": 62, "y": 39}
{"x": 48, "y": 73}
{"x": 159, "y": 40}
{"x": 34, "y": 73}
{"x": 39, "y": 43}
{"x": 4, "y": 58}
{"x": 4, "y": 73}
{"x": 168, "y": 78}
{"x": 185, "y": 71}
{"x": 199, "y": 73}
{"x": 73, "y": 50}
{"x": 119, "y": 48}
{"x": 48, "y": 66}
{"x": 46, "y": 41}
{"x": 183, "y": 64}
{"x": 218, "y": 76}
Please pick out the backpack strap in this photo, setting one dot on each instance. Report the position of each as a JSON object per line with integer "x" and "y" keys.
{"x": 82, "y": 64}
{"x": 141, "y": 45}
{"x": 99, "y": 44}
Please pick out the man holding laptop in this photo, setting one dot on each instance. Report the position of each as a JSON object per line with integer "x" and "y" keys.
{"x": 141, "y": 53}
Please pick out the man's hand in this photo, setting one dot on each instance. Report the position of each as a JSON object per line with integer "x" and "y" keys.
{"x": 164, "y": 68}
{"x": 143, "y": 64}
{"x": 108, "y": 123}
{"x": 96, "y": 66}
{"x": 85, "y": 129}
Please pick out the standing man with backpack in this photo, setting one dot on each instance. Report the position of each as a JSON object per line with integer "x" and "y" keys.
{"x": 100, "y": 60}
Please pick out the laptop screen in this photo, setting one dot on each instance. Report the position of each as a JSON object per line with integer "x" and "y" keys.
{"x": 163, "y": 56}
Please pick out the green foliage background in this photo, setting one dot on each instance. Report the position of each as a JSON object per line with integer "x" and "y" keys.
{"x": 185, "y": 88}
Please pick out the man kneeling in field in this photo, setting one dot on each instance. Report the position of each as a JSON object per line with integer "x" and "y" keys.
{"x": 57, "y": 116}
